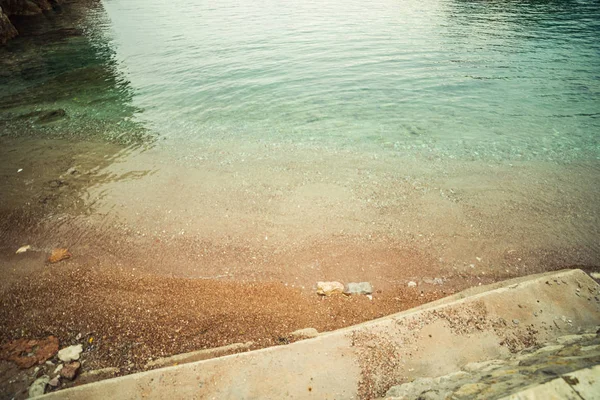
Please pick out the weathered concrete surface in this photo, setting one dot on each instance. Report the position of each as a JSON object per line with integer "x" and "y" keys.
{"x": 579, "y": 385}
{"x": 528, "y": 371}
{"x": 364, "y": 361}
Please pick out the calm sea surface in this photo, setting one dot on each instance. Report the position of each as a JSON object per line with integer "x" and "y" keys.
{"x": 518, "y": 78}
{"x": 499, "y": 79}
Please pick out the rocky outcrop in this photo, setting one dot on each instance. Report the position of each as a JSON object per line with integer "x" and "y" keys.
{"x": 23, "y": 8}
{"x": 27, "y": 7}
{"x": 7, "y": 30}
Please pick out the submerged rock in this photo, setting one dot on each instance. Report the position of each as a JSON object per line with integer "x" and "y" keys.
{"x": 50, "y": 116}
{"x": 59, "y": 255}
{"x": 330, "y": 288}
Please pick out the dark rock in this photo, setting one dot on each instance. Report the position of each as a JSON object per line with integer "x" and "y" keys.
{"x": 23, "y": 8}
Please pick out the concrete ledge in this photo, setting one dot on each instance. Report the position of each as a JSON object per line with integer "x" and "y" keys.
{"x": 364, "y": 361}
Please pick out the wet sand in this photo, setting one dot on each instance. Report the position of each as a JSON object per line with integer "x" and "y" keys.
{"x": 232, "y": 243}
{"x": 178, "y": 249}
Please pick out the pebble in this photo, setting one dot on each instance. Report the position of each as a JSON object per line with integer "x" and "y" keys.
{"x": 358, "y": 288}
{"x": 70, "y": 353}
{"x": 412, "y": 284}
{"x": 329, "y": 288}
{"x": 58, "y": 368}
{"x": 54, "y": 382}
{"x": 516, "y": 321}
{"x": 69, "y": 371}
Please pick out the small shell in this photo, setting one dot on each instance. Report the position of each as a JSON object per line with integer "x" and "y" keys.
{"x": 59, "y": 255}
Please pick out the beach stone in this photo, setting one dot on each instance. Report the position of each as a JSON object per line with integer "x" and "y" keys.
{"x": 305, "y": 333}
{"x": 412, "y": 284}
{"x": 70, "y": 353}
{"x": 38, "y": 387}
{"x": 69, "y": 371}
{"x": 329, "y": 288}
{"x": 54, "y": 382}
{"x": 358, "y": 288}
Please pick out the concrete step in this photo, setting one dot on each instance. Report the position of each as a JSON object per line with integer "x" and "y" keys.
{"x": 364, "y": 361}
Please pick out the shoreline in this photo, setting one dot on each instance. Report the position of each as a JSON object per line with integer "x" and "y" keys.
{"x": 224, "y": 277}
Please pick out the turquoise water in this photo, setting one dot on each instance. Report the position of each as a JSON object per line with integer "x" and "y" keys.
{"x": 506, "y": 76}
{"x": 502, "y": 79}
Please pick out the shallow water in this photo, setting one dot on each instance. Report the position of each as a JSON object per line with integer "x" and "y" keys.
{"x": 502, "y": 79}
{"x": 264, "y": 140}
{"x": 515, "y": 78}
